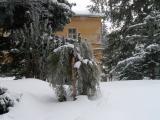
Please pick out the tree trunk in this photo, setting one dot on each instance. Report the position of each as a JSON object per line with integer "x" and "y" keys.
{"x": 73, "y": 78}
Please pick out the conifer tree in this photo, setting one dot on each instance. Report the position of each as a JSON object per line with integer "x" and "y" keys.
{"x": 144, "y": 61}
{"x": 132, "y": 37}
{"x": 31, "y": 25}
{"x": 72, "y": 64}
{"x": 125, "y": 12}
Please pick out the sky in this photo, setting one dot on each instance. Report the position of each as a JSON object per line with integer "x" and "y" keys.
{"x": 81, "y": 5}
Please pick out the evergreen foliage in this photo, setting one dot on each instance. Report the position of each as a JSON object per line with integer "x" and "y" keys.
{"x": 125, "y": 12}
{"x": 137, "y": 27}
{"x": 17, "y": 13}
{"x": 145, "y": 55}
{"x": 5, "y": 101}
{"x": 72, "y": 64}
{"x": 31, "y": 25}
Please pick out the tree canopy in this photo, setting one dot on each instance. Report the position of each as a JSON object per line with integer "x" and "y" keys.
{"x": 30, "y": 25}
{"x": 137, "y": 29}
{"x": 16, "y": 13}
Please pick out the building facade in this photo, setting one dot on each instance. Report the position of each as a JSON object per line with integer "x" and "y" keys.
{"x": 88, "y": 27}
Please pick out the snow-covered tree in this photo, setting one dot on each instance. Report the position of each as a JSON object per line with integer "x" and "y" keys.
{"x": 31, "y": 25}
{"x": 72, "y": 64}
{"x": 124, "y": 12}
{"x": 16, "y": 13}
{"x": 145, "y": 58}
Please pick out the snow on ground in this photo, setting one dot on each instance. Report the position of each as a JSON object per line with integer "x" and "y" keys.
{"x": 125, "y": 100}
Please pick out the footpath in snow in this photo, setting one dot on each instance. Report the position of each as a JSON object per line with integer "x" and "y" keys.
{"x": 125, "y": 100}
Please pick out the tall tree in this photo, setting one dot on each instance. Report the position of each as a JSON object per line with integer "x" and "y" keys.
{"x": 32, "y": 24}
{"x": 145, "y": 56}
{"x": 125, "y": 12}
{"x": 127, "y": 16}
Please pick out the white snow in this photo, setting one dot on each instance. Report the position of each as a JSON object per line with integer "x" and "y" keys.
{"x": 64, "y": 46}
{"x": 85, "y": 61}
{"x": 154, "y": 47}
{"x": 88, "y": 13}
{"x": 79, "y": 57}
{"x": 136, "y": 36}
{"x": 136, "y": 25}
{"x": 124, "y": 100}
{"x": 90, "y": 62}
{"x": 77, "y": 65}
{"x": 130, "y": 60}
{"x": 63, "y": 5}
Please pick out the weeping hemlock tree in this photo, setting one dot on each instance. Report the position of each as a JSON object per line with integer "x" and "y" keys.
{"x": 72, "y": 64}
{"x": 30, "y": 24}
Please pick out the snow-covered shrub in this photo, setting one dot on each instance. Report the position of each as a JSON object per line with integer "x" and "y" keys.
{"x": 6, "y": 100}
{"x": 61, "y": 93}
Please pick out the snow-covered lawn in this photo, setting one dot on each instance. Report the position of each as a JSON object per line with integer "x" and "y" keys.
{"x": 125, "y": 100}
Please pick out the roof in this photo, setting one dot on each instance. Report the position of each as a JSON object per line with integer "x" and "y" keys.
{"x": 87, "y": 13}
{"x": 90, "y": 15}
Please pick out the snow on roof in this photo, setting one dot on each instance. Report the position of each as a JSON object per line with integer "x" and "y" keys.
{"x": 87, "y": 13}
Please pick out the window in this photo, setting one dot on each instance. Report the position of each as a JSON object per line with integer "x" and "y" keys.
{"x": 72, "y": 33}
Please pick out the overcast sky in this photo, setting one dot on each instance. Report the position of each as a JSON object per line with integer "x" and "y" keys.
{"x": 81, "y": 4}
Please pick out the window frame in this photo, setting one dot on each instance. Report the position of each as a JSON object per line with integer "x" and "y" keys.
{"x": 72, "y": 34}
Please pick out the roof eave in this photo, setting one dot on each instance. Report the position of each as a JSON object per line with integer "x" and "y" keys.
{"x": 86, "y": 15}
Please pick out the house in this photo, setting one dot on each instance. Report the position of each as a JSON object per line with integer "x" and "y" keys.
{"x": 89, "y": 27}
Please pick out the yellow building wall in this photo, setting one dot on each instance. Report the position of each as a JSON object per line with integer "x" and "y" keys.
{"x": 90, "y": 29}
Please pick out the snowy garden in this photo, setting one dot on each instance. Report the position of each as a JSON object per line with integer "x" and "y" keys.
{"x": 123, "y": 100}
{"x": 48, "y": 77}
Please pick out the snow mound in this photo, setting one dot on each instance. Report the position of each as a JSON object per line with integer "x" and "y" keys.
{"x": 125, "y": 100}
